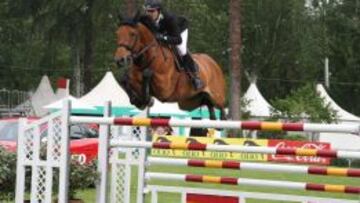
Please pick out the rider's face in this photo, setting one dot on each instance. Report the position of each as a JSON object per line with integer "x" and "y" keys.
{"x": 153, "y": 13}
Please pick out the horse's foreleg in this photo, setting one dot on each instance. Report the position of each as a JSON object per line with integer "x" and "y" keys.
{"x": 125, "y": 84}
{"x": 147, "y": 75}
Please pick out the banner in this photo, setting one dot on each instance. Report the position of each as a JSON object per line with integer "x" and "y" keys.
{"x": 190, "y": 154}
{"x": 208, "y": 154}
{"x": 299, "y": 159}
{"x": 84, "y": 150}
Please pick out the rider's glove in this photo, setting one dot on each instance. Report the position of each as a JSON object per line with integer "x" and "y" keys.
{"x": 161, "y": 38}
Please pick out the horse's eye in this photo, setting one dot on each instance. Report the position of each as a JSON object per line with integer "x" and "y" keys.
{"x": 132, "y": 34}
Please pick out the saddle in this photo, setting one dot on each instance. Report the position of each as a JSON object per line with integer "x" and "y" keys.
{"x": 179, "y": 61}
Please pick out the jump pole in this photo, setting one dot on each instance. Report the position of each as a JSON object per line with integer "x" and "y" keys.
{"x": 235, "y": 165}
{"x": 253, "y": 182}
{"x": 245, "y": 125}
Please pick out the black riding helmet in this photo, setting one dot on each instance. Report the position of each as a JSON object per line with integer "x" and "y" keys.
{"x": 152, "y": 4}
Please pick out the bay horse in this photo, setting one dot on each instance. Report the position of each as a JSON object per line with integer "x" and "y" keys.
{"x": 153, "y": 71}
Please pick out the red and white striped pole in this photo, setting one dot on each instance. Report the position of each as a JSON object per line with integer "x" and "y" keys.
{"x": 314, "y": 170}
{"x": 246, "y": 125}
{"x": 253, "y": 182}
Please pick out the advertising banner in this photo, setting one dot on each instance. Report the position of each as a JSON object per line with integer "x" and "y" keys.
{"x": 208, "y": 154}
{"x": 241, "y": 156}
{"x": 299, "y": 159}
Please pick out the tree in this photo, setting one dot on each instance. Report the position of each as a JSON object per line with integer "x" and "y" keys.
{"x": 75, "y": 37}
{"x": 283, "y": 45}
{"x": 130, "y": 7}
{"x": 342, "y": 21}
{"x": 303, "y": 104}
{"x": 235, "y": 58}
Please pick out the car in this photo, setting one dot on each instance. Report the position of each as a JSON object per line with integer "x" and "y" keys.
{"x": 8, "y": 133}
{"x": 83, "y": 144}
{"x": 81, "y": 131}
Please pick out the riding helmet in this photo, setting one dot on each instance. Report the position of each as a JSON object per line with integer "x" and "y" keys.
{"x": 152, "y": 4}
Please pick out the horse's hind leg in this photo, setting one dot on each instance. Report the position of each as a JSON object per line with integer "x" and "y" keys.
{"x": 222, "y": 114}
{"x": 211, "y": 111}
{"x": 210, "y": 105}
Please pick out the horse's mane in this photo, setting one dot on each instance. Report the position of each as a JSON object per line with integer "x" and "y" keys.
{"x": 143, "y": 19}
{"x": 148, "y": 22}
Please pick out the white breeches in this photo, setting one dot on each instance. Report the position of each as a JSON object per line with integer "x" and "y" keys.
{"x": 183, "y": 46}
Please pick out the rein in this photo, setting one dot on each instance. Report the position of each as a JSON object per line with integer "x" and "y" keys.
{"x": 137, "y": 55}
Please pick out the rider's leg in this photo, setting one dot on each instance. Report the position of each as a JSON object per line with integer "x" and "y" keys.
{"x": 188, "y": 63}
{"x": 193, "y": 71}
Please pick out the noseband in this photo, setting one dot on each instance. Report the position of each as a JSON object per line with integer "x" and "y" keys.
{"x": 137, "y": 55}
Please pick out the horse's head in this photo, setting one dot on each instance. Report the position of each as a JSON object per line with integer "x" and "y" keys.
{"x": 134, "y": 38}
{"x": 128, "y": 42}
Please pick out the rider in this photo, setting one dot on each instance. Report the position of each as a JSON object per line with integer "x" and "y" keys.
{"x": 173, "y": 30}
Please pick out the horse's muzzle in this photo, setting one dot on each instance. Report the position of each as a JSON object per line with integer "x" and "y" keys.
{"x": 123, "y": 61}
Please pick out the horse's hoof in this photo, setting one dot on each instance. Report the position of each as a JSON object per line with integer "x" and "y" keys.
{"x": 140, "y": 106}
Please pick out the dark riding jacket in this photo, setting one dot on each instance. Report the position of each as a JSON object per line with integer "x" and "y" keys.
{"x": 172, "y": 26}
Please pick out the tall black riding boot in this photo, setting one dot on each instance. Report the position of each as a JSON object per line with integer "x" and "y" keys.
{"x": 192, "y": 71}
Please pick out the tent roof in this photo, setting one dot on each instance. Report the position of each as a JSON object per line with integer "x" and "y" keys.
{"x": 258, "y": 106}
{"x": 75, "y": 104}
{"x": 107, "y": 90}
{"x": 342, "y": 114}
{"x": 43, "y": 95}
{"x": 164, "y": 109}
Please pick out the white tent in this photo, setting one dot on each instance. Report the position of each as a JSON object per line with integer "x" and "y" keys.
{"x": 166, "y": 109}
{"x": 257, "y": 106}
{"x": 160, "y": 109}
{"x": 43, "y": 95}
{"x": 339, "y": 140}
{"x": 107, "y": 90}
{"x": 343, "y": 115}
{"x": 75, "y": 104}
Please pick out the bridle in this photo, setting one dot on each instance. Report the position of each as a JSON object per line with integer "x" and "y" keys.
{"x": 135, "y": 56}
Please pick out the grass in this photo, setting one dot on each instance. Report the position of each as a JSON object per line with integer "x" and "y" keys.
{"x": 89, "y": 195}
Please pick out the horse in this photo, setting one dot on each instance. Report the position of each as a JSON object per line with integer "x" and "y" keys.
{"x": 152, "y": 71}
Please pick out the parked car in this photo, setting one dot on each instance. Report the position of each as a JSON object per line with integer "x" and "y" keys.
{"x": 83, "y": 144}
{"x": 8, "y": 133}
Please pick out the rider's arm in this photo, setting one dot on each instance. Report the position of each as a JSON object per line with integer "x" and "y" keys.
{"x": 173, "y": 35}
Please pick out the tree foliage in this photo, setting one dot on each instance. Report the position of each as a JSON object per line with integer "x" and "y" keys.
{"x": 305, "y": 105}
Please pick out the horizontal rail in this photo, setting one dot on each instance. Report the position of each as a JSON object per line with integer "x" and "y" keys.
{"x": 245, "y": 125}
{"x": 247, "y": 195}
{"x": 253, "y": 182}
{"x": 314, "y": 170}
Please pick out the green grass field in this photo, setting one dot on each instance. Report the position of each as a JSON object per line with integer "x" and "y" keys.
{"x": 89, "y": 195}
